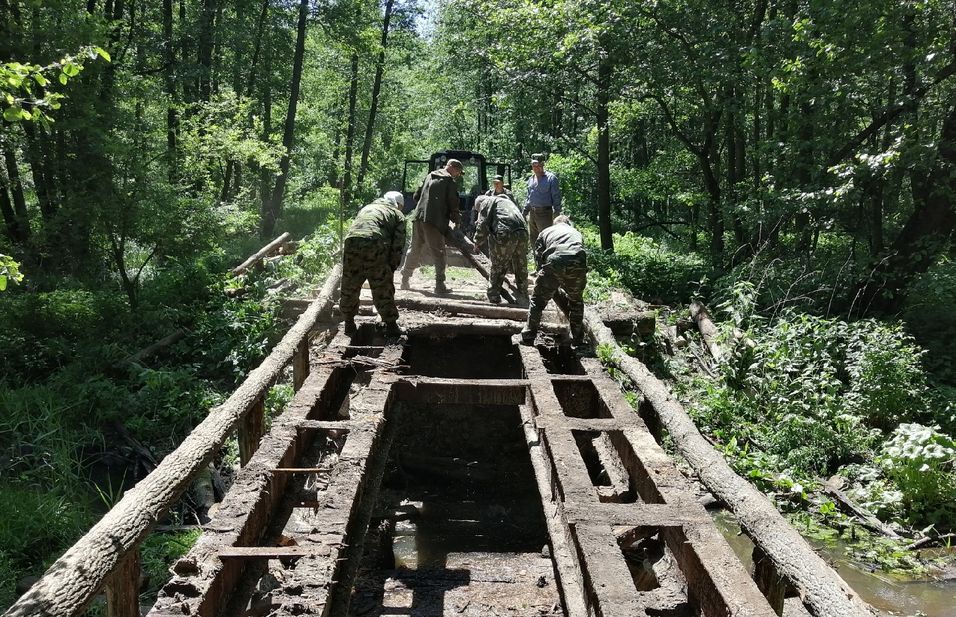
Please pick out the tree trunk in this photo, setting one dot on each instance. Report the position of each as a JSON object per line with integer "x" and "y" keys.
{"x": 604, "y": 155}
{"x": 265, "y": 177}
{"x": 207, "y": 22}
{"x": 169, "y": 81}
{"x": 376, "y": 89}
{"x": 350, "y": 133}
{"x": 9, "y": 218}
{"x": 21, "y": 215}
{"x": 925, "y": 234}
{"x": 288, "y": 134}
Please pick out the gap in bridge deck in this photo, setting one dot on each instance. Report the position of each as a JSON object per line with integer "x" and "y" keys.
{"x": 458, "y": 527}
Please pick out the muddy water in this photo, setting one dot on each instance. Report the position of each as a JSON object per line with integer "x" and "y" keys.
{"x": 891, "y": 595}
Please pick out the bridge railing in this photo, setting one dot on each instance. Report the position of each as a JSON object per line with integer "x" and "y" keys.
{"x": 108, "y": 555}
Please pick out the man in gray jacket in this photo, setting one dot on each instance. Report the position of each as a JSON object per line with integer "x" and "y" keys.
{"x": 437, "y": 206}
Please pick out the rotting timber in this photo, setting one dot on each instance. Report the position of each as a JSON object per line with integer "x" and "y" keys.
{"x": 455, "y": 472}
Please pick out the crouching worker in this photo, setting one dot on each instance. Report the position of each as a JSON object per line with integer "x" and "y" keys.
{"x": 501, "y": 223}
{"x": 373, "y": 251}
{"x": 562, "y": 264}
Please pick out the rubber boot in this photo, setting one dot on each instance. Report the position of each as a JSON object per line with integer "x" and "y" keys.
{"x": 528, "y": 335}
{"x": 350, "y": 328}
{"x": 405, "y": 283}
{"x": 442, "y": 289}
{"x": 392, "y": 329}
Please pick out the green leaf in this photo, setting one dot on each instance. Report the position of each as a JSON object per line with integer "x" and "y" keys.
{"x": 62, "y": 78}
{"x": 12, "y": 114}
{"x": 102, "y": 53}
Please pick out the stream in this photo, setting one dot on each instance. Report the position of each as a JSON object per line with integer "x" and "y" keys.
{"x": 891, "y": 595}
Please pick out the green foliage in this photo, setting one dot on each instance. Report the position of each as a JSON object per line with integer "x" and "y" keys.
{"x": 922, "y": 463}
{"x": 887, "y": 381}
{"x": 647, "y": 268}
{"x": 9, "y": 271}
{"x": 160, "y": 550}
{"x": 25, "y": 92}
{"x": 812, "y": 392}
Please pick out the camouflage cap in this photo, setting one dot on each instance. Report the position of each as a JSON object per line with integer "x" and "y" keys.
{"x": 456, "y": 163}
{"x": 499, "y": 178}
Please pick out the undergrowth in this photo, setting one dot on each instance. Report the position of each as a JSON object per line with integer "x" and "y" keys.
{"x": 67, "y": 396}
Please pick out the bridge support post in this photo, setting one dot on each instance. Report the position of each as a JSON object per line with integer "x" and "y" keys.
{"x": 300, "y": 363}
{"x": 251, "y": 430}
{"x": 122, "y": 588}
{"x": 769, "y": 582}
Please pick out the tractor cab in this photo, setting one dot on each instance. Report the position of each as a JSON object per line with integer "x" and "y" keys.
{"x": 474, "y": 181}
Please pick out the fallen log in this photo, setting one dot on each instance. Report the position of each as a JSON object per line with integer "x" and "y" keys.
{"x": 630, "y": 321}
{"x": 821, "y": 589}
{"x": 708, "y": 331}
{"x": 865, "y": 518}
{"x": 72, "y": 582}
{"x": 259, "y": 255}
{"x": 146, "y": 352}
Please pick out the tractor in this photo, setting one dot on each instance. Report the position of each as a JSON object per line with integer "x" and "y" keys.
{"x": 473, "y": 182}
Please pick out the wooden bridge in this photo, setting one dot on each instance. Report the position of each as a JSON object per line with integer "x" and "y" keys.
{"x": 450, "y": 472}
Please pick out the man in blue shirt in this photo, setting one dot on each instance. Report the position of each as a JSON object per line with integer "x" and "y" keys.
{"x": 544, "y": 198}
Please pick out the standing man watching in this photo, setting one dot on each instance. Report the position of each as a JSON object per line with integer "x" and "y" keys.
{"x": 544, "y": 197}
{"x": 437, "y": 206}
{"x": 373, "y": 250}
{"x": 562, "y": 264}
{"x": 501, "y": 223}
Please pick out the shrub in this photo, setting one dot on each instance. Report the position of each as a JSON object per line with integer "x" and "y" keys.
{"x": 887, "y": 382}
{"x": 920, "y": 460}
{"x": 647, "y": 268}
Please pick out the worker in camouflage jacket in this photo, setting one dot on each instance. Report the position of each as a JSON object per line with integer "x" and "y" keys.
{"x": 437, "y": 206}
{"x": 562, "y": 264}
{"x": 373, "y": 251}
{"x": 501, "y": 223}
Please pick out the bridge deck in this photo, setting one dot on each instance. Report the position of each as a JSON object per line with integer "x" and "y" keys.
{"x": 454, "y": 472}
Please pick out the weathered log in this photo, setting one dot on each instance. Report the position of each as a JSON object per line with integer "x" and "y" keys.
{"x": 259, "y": 255}
{"x": 146, "y": 352}
{"x": 480, "y": 309}
{"x": 708, "y": 331}
{"x": 479, "y": 327}
{"x": 865, "y": 518}
{"x": 74, "y": 579}
{"x": 821, "y": 589}
{"x": 628, "y": 322}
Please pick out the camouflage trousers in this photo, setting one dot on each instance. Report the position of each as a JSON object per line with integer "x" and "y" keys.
{"x": 366, "y": 259}
{"x": 425, "y": 236}
{"x": 508, "y": 254}
{"x": 570, "y": 274}
{"x": 539, "y": 219}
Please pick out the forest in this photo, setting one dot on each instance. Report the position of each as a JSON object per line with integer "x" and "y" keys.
{"x": 789, "y": 163}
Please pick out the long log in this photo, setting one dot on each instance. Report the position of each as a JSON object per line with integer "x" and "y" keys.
{"x": 261, "y": 253}
{"x": 708, "y": 331}
{"x": 821, "y": 589}
{"x": 74, "y": 579}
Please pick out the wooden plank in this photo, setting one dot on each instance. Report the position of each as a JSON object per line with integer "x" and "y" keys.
{"x": 441, "y": 391}
{"x": 276, "y": 552}
{"x": 251, "y": 430}
{"x": 122, "y": 590}
{"x": 301, "y": 469}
